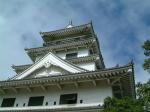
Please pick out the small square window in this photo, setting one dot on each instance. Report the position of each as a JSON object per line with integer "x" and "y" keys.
{"x": 46, "y": 103}
{"x": 24, "y": 105}
{"x": 90, "y": 51}
{"x": 16, "y": 105}
{"x": 81, "y": 101}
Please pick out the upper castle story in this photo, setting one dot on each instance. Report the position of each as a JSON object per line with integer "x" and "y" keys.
{"x": 76, "y": 44}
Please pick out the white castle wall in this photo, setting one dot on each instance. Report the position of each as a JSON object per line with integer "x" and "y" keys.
{"x": 88, "y": 95}
{"x": 81, "y": 53}
{"x": 88, "y": 66}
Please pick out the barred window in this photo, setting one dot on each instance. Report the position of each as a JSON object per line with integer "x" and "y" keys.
{"x": 8, "y": 102}
{"x": 68, "y": 99}
{"x": 36, "y": 101}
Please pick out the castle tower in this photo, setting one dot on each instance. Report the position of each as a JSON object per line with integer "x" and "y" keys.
{"x": 67, "y": 74}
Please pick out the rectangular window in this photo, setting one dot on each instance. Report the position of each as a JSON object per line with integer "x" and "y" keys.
{"x": 90, "y": 51}
{"x": 71, "y": 55}
{"x": 36, "y": 101}
{"x": 8, "y": 102}
{"x": 68, "y": 99}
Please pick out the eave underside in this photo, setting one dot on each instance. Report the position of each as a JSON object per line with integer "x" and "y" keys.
{"x": 20, "y": 68}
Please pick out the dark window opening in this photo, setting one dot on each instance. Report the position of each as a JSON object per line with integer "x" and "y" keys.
{"x": 36, "y": 101}
{"x": 77, "y": 39}
{"x": 16, "y": 105}
{"x": 46, "y": 103}
{"x": 91, "y": 52}
{"x": 58, "y": 42}
{"x": 54, "y": 103}
{"x": 68, "y": 99}
{"x": 8, "y": 102}
{"x": 24, "y": 105}
{"x": 71, "y": 55}
{"x": 81, "y": 101}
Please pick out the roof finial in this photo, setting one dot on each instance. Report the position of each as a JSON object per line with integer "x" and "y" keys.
{"x": 70, "y": 24}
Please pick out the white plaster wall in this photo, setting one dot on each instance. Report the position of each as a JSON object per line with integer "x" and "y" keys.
{"x": 88, "y": 95}
{"x": 88, "y": 66}
{"x": 61, "y": 55}
{"x": 83, "y": 52}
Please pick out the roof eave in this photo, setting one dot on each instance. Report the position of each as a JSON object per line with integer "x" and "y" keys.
{"x": 105, "y": 73}
{"x": 65, "y": 31}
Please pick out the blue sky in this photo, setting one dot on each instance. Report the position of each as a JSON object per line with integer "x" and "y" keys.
{"x": 121, "y": 26}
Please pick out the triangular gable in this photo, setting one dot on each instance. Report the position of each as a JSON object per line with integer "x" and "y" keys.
{"x": 47, "y": 61}
{"x": 46, "y": 72}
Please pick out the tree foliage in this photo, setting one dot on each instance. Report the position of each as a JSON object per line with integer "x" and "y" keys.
{"x": 146, "y": 48}
{"x": 143, "y": 93}
{"x": 125, "y": 104}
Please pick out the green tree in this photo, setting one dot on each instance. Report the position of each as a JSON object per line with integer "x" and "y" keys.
{"x": 146, "y": 48}
{"x": 143, "y": 93}
{"x": 125, "y": 104}
{"x": 143, "y": 90}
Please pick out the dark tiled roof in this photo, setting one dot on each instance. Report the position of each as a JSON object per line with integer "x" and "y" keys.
{"x": 73, "y": 31}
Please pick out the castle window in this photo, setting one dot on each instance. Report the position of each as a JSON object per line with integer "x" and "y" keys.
{"x": 8, "y": 102}
{"x": 90, "y": 51}
{"x": 46, "y": 103}
{"x": 68, "y": 99}
{"x": 54, "y": 102}
{"x": 24, "y": 105}
{"x": 71, "y": 55}
{"x": 16, "y": 105}
{"x": 36, "y": 101}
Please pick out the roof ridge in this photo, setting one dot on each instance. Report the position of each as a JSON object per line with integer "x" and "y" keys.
{"x": 118, "y": 67}
{"x": 20, "y": 65}
{"x": 66, "y": 28}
